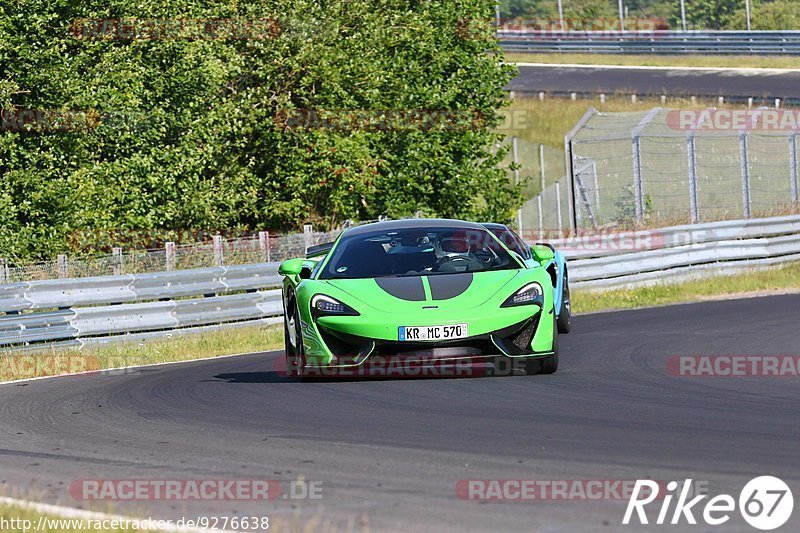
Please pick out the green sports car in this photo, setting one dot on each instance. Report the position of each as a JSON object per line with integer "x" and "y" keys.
{"x": 414, "y": 294}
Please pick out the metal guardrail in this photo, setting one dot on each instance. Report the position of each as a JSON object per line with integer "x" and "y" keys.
{"x": 681, "y": 252}
{"x": 652, "y": 42}
{"x": 79, "y": 311}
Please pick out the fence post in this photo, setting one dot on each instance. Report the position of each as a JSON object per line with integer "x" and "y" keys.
{"x": 638, "y": 189}
{"x": 793, "y": 169}
{"x": 569, "y": 159}
{"x": 218, "y": 258}
{"x": 558, "y": 209}
{"x": 169, "y": 248}
{"x": 3, "y": 270}
{"x": 307, "y": 237}
{"x": 63, "y": 266}
{"x": 692, "y": 155}
{"x": 541, "y": 217}
{"x": 515, "y": 158}
{"x": 638, "y": 192}
{"x": 745, "y": 163}
{"x": 263, "y": 245}
{"x": 119, "y": 268}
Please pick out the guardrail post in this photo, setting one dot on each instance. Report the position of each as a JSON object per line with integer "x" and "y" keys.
{"x": 63, "y": 266}
{"x": 793, "y": 164}
{"x": 307, "y": 237}
{"x": 745, "y": 163}
{"x": 169, "y": 249}
{"x": 116, "y": 254}
{"x": 263, "y": 245}
{"x": 217, "y": 244}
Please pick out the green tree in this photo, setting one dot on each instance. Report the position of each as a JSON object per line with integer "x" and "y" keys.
{"x": 764, "y": 15}
{"x": 706, "y": 14}
{"x": 184, "y": 133}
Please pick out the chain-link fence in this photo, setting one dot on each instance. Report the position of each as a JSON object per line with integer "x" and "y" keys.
{"x": 540, "y": 170}
{"x": 261, "y": 247}
{"x": 666, "y": 166}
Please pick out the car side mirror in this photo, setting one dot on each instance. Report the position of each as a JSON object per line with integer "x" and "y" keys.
{"x": 291, "y": 267}
{"x": 542, "y": 254}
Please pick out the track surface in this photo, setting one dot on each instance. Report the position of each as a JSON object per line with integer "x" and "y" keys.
{"x": 390, "y": 452}
{"x": 671, "y": 82}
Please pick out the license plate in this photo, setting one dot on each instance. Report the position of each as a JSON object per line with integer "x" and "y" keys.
{"x": 432, "y": 333}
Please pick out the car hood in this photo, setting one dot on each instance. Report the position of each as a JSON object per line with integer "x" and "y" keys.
{"x": 445, "y": 291}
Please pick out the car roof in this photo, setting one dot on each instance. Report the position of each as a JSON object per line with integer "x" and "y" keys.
{"x": 412, "y": 223}
{"x": 493, "y": 225}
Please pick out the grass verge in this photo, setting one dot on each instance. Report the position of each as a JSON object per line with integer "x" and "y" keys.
{"x": 547, "y": 121}
{"x": 179, "y": 348}
{"x": 738, "y": 61}
{"x": 761, "y": 282}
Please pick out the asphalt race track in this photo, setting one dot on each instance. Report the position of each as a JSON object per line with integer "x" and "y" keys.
{"x": 674, "y": 82}
{"x": 389, "y": 453}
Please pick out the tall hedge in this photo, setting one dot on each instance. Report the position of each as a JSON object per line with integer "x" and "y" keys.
{"x": 186, "y": 130}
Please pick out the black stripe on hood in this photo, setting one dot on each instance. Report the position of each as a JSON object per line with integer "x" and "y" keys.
{"x": 446, "y": 286}
{"x": 409, "y": 288}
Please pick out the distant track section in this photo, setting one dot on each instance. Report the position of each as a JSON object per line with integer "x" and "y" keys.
{"x": 733, "y": 84}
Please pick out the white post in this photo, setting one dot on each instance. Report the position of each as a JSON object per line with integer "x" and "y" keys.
{"x": 747, "y": 10}
{"x": 541, "y": 217}
{"x": 694, "y": 206}
{"x": 63, "y": 266}
{"x": 308, "y": 229}
{"x": 621, "y": 17}
{"x": 119, "y": 268}
{"x": 263, "y": 245}
{"x": 558, "y": 209}
{"x": 541, "y": 164}
{"x": 169, "y": 249}
{"x": 743, "y": 156}
{"x": 561, "y": 15}
{"x": 218, "y": 258}
{"x": 683, "y": 15}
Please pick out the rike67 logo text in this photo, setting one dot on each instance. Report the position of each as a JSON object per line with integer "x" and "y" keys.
{"x": 765, "y": 503}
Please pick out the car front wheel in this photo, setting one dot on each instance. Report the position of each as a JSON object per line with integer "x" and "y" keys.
{"x": 293, "y": 340}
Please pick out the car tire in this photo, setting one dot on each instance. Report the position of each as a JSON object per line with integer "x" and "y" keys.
{"x": 564, "y": 321}
{"x": 295, "y": 358}
{"x": 547, "y": 364}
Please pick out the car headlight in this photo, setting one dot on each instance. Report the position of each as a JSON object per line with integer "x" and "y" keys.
{"x": 530, "y": 294}
{"x": 322, "y": 305}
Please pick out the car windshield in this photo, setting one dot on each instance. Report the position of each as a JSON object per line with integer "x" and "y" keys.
{"x": 417, "y": 252}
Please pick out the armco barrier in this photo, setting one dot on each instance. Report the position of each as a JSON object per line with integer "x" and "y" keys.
{"x": 652, "y": 42}
{"x": 75, "y": 312}
{"x": 679, "y": 252}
